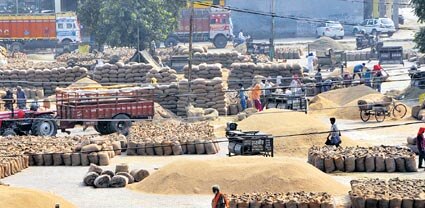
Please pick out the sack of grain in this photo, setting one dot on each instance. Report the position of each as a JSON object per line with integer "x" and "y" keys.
{"x": 339, "y": 163}
{"x": 57, "y": 159}
{"x": 116, "y": 145}
{"x": 95, "y": 168}
{"x": 128, "y": 176}
{"x": 141, "y": 149}
{"x": 122, "y": 168}
{"x": 395, "y": 201}
{"x": 370, "y": 163}
{"x": 158, "y": 149}
{"x": 379, "y": 163}
{"x": 48, "y": 159}
{"x": 329, "y": 165}
{"x": 177, "y": 148}
{"x": 407, "y": 203}
{"x": 76, "y": 159}
{"x": 390, "y": 165}
{"x": 132, "y": 148}
{"x": 191, "y": 148}
{"x": 183, "y": 145}
{"x": 38, "y": 159}
{"x": 118, "y": 181}
{"x": 350, "y": 164}
{"x": 85, "y": 159}
{"x": 411, "y": 164}
{"x": 360, "y": 164}
{"x": 150, "y": 148}
{"x": 139, "y": 174}
{"x": 90, "y": 178}
{"x": 103, "y": 158}
{"x": 93, "y": 158}
{"x": 167, "y": 148}
{"x": 419, "y": 202}
{"x": 411, "y": 140}
{"x": 108, "y": 172}
{"x": 90, "y": 148}
{"x": 319, "y": 163}
{"x": 66, "y": 157}
{"x": 400, "y": 164}
{"x": 102, "y": 181}
{"x": 210, "y": 148}
{"x": 200, "y": 147}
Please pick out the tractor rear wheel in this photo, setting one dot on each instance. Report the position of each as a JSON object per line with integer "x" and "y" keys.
{"x": 122, "y": 125}
{"x": 9, "y": 132}
{"x": 44, "y": 125}
{"x": 103, "y": 127}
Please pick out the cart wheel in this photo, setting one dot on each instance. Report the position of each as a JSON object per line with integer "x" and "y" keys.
{"x": 122, "y": 125}
{"x": 364, "y": 115}
{"x": 399, "y": 111}
{"x": 380, "y": 116}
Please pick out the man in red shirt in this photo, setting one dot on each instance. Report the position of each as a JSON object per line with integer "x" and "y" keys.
{"x": 377, "y": 68}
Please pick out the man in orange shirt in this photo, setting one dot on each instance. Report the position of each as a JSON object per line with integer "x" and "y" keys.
{"x": 256, "y": 95}
{"x": 219, "y": 200}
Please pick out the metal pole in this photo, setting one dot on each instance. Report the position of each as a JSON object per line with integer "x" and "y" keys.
{"x": 192, "y": 11}
{"x": 138, "y": 43}
{"x": 273, "y": 10}
{"x": 17, "y": 3}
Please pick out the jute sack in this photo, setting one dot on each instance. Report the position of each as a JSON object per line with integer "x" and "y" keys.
{"x": 76, "y": 159}
{"x": 90, "y": 178}
{"x": 122, "y": 168}
{"x": 128, "y": 176}
{"x": 139, "y": 174}
{"x": 102, "y": 181}
{"x": 118, "y": 181}
{"x": 95, "y": 168}
{"x": 108, "y": 172}
{"x": 103, "y": 158}
{"x": 350, "y": 164}
{"x": 93, "y": 158}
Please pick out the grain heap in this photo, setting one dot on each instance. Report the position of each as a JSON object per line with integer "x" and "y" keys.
{"x": 282, "y": 200}
{"x": 288, "y": 53}
{"x": 239, "y": 175}
{"x": 284, "y": 122}
{"x": 204, "y": 94}
{"x": 224, "y": 58}
{"x": 48, "y": 79}
{"x": 122, "y": 73}
{"x": 245, "y": 72}
{"x": 12, "y": 197}
{"x": 396, "y": 192}
{"x": 325, "y": 43}
{"x": 204, "y": 71}
{"x": 119, "y": 178}
{"x": 164, "y": 75}
{"x": 172, "y": 138}
{"x": 361, "y": 159}
{"x": 167, "y": 96}
{"x": 342, "y": 103}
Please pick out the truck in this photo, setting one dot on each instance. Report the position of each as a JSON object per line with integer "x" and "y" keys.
{"x": 209, "y": 25}
{"x": 18, "y": 32}
{"x": 108, "y": 110}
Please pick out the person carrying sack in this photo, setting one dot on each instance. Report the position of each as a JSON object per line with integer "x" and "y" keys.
{"x": 334, "y": 137}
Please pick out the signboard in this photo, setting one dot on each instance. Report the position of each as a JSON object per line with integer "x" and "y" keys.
{"x": 203, "y": 4}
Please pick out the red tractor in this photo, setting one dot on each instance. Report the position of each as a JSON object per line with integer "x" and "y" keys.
{"x": 28, "y": 122}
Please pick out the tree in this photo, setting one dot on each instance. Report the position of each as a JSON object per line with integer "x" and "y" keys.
{"x": 419, "y": 8}
{"x": 125, "y": 22}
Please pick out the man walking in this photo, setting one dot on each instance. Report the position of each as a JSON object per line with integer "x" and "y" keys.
{"x": 21, "y": 98}
{"x": 242, "y": 97}
{"x": 219, "y": 200}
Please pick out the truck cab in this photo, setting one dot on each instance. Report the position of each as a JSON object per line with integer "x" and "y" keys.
{"x": 67, "y": 28}
{"x": 211, "y": 24}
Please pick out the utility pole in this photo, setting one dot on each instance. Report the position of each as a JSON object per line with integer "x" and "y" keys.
{"x": 192, "y": 11}
{"x": 273, "y": 11}
{"x": 17, "y": 6}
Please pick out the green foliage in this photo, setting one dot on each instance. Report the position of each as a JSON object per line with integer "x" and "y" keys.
{"x": 420, "y": 40}
{"x": 121, "y": 23}
{"x": 419, "y": 8}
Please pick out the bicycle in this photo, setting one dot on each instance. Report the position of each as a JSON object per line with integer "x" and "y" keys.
{"x": 381, "y": 110}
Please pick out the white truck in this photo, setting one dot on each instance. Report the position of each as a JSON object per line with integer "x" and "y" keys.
{"x": 375, "y": 26}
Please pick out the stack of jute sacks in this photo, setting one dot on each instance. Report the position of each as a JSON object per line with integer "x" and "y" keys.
{"x": 282, "y": 200}
{"x": 245, "y": 72}
{"x": 64, "y": 151}
{"x": 393, "y": 193}
{"x": 167, "y": 95}
{"x": 48, "y": 79}
{"x": 171, "y": 138}
{"x": 363, "y": 159}
{"x": 119, "y": 178}
{"x": 164, "y": 75}
{"x": 204, "y": 94}
{"x": 11, "y": 164}
{"x": 204, "y": 71}
{"x": 24, "y": 65}
{"x": 224, "y": 58}
{"x": 288, "y": 53}
{"x": 122, "y": 73}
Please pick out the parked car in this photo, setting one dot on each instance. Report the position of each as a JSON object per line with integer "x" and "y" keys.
{"x": 375, "y": 26}
{"x": 332, "y": 29}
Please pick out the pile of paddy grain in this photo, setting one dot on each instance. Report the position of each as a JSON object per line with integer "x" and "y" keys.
{"x": 342, "y": 103}
{"x": 282, "y": 122}
{"x": 11, "y": 197}
{"x": 325, "y": 43}
{"x": 239, "y": 175}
